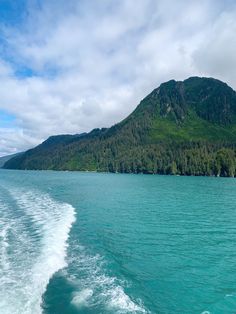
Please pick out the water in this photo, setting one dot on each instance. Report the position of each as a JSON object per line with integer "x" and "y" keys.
{"x": 116, "y": 244}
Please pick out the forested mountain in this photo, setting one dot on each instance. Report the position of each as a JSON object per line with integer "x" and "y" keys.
{"x": 4, "y": 159}
{"x": 186, "y": 128}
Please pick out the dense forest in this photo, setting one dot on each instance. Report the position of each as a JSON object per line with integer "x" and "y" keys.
{"x": 185, "y": 128}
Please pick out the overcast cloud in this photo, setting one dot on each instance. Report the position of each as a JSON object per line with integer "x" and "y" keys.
{"x": 71, "y": 66}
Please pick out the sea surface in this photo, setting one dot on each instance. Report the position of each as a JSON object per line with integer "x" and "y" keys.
{"x": 90, "y": 243}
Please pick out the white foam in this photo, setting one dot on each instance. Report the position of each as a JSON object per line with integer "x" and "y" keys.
{"x": 81, "y": 298}
{"x": 107, "y": 291}
{"x": 122, "y": 302}
{"x": 4, "y": 227}
{"x": 37, "y": 255}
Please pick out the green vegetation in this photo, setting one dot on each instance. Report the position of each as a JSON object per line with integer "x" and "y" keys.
{"x": 4, "y": 159}
{"x": 185, "y": 128}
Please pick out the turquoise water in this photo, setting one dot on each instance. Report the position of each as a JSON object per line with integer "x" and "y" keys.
{"x": 88, "y": 243}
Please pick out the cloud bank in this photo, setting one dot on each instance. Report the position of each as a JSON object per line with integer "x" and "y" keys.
{"x": 68, "y": 67}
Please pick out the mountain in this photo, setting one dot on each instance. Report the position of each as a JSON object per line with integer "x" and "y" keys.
{"x": 4, "y": 159}
{"x": 182, "y": 127}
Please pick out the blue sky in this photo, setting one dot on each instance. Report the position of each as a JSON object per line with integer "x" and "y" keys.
{"x": 12, "y": 12}
{"x": 71, "y": 66}
{"x": 6, "y": 120}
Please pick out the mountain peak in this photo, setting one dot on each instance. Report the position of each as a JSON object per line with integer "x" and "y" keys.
{"x": 209, "y": 98}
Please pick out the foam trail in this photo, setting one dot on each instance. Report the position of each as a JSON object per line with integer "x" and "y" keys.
{"x": 39, "y": 231}
{"x": 95, "y": 289}
{"x": 4, "y": 227}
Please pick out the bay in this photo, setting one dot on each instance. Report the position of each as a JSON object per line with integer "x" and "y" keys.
{"x": 74, "y": 242}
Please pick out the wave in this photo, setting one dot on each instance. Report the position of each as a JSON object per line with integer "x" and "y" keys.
{"x": 95, "y": 289}
{"x": 33, "y": 239}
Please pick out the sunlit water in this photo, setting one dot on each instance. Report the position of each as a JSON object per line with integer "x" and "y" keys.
{"x": 88, "y": 243}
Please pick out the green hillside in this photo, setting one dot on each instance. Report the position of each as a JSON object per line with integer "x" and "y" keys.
{"x": 4, "y": 159}
{"x": 186, "y": 128}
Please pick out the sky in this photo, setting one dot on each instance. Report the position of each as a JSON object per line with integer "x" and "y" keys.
{"x": 68, "y": 66}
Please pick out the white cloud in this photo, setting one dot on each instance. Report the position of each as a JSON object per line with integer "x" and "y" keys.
{"x": 15, "y": 140}
{"x": 216, "y": 55}
{"x": 93, "y": 61}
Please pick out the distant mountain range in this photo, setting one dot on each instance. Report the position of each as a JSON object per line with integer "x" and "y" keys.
{"x": 182, "y": 127}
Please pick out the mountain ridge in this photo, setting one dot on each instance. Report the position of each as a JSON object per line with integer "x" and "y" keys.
{"x": 4, "y": 159}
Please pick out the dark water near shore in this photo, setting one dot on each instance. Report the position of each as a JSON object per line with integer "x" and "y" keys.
{"x": 86, "y": 243}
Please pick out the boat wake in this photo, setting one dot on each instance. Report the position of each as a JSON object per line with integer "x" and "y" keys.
{"x": 34, "y": 231}
{"x": 33, "y": 244}
{"x": 95, "y": 289}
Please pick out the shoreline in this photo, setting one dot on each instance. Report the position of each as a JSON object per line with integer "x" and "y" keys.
{"x": 127, "y": 173}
